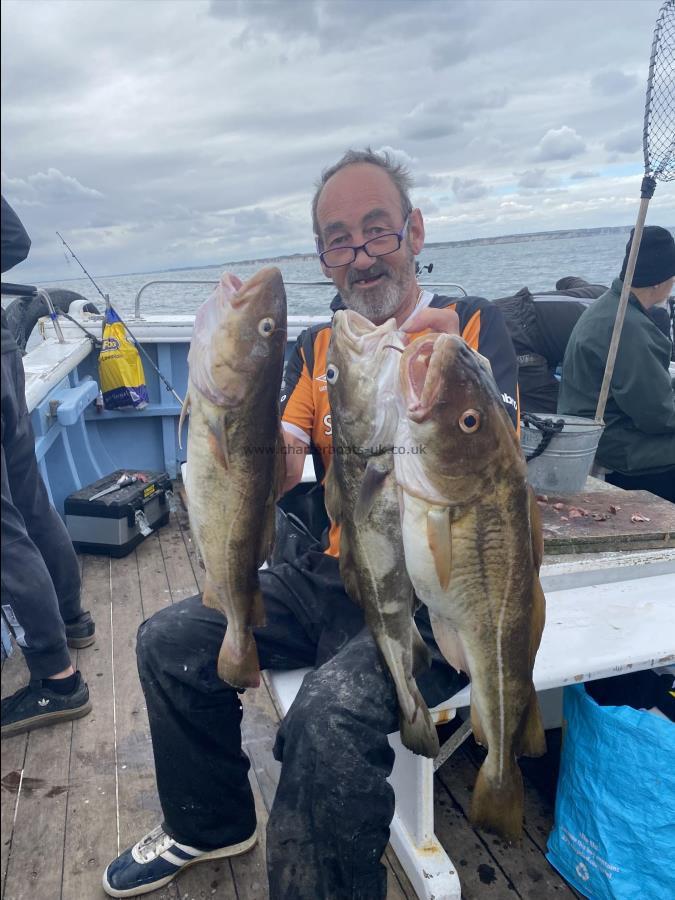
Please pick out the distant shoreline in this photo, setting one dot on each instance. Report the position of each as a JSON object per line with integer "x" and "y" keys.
{"x": 469, "y": 242}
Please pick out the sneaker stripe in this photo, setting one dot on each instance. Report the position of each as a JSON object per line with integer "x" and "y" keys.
{"x": 170, "y": 857}
{"x": 190, "y": 851}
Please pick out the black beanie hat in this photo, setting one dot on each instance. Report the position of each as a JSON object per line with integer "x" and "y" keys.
{"x": 656, "y": 257}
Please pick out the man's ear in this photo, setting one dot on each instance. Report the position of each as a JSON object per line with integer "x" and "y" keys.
{"x": 416, "y": 231}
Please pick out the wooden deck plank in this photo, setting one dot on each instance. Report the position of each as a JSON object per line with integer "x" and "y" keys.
{"x": 154, "y": 584}
{"x": 138, "y": 804}
{"x": 524, "y": 864}
{"x": 14, "y": 676}
{"x": 37, "y": 787}
{"x": 91, "y": 833}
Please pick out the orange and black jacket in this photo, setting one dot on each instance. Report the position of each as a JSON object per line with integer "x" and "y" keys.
{"x": 304, "y": 395}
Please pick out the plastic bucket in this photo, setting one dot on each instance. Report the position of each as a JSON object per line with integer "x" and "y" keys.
{"x": 566, "y": 462}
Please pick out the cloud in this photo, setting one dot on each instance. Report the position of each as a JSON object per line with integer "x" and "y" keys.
{"x": 430, "y": 119}
{"x": 559, "y": 143}
{"x": 582, "y": 175}
{"x": 535, "y": 178}
{"x": 627, "y": 141}
{"x": 48, "y": 187}
{"x": 610, "y": 82}
{"x": 467, "y": 189}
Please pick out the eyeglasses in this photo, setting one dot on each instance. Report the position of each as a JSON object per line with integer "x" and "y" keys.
{"x": 381, "y": 245}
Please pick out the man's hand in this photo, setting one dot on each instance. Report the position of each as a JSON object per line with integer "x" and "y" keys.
{"x": 444, "y": 321}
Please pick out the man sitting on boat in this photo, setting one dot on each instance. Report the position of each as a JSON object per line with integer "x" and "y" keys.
{"x": 329, "y": 824}
{"x": 40, "y": 571}
{"x": 638, "y": 442}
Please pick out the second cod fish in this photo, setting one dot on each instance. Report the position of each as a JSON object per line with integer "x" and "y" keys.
{"x": 362, "y": 496}
{"x": 235, "y": 461}
{"x": 473, "y": 548}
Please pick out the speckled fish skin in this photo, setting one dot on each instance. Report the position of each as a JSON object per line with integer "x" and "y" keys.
{"x": 361, "y": 494}
{"x": 473, "y": 548}
{"x": 235, "y": 457}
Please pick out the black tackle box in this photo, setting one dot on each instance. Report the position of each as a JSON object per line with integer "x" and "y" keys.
{"x": 117, "y": 522}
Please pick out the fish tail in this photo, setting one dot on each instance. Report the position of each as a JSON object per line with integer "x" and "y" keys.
{"x": 532, "y": 740}
{"x": 238, "y": 663}
{"x": 418, "y": 733}
{"x": 421, "y": 654}
{"x": 497, "y": 803}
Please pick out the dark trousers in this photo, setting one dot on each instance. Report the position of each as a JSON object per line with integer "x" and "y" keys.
{"x": 660, "y": 483}
{"x": 329, "y": 824}
{"x": 40, "y": 571}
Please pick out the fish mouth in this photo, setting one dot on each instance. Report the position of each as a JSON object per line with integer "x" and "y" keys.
{"x": 422, "y": 367}
{"x": 263, "y": 287}
{"x": 356, "y": 330}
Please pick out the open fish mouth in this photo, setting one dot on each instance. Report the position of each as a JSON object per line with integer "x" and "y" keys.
{"x": 422, "y": 365}
{"x": 357, "y": 331}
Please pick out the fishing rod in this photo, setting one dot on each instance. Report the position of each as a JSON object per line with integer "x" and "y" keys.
{"x": 69, "y": 249}
{"x": 139, "y": 347}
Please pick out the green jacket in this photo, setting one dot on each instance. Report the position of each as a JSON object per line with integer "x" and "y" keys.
{"x": 639, "y": 430}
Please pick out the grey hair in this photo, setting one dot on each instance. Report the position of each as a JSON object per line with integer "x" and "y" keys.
{"x": 396, "y": 171}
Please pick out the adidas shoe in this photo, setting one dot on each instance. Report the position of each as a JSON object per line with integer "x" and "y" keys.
{"x": 35, "y": 706}
{"x": 80, "y": 632}
{"x": 156, "y": 860}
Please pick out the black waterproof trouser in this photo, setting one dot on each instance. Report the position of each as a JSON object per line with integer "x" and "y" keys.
{"x": 329, "y": 824}
{"x": 40, "y": 571}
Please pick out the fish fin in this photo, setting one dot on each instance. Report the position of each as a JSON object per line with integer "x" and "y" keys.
{"x": 258, "y": 610}
{"x": 184, "y": 412}
{"x": 439, "y": 538}
{"x": 532, "y": 741}
{"x": 332, "y": 497}
{"x": 421, "y": 654}
{"x": 477, "y": 727}
{"x": 348, "y": 569}
{"x": 536, "y": 530}
{"x": 210, "y": 597}
{"x": 497, "y": 804}
{"x": 238, "y": 666}
{"x": 217, "y": 440}
{"x": 419, "y": 733}
{"x": 538, "y": 618}
{"x": 449, "y": 643}
{"x": 373, "y": 479}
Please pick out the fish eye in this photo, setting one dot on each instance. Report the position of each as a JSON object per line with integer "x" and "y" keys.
{"x": 332, "y": 374}
{"x": 266, "y": 326}
{"x": 469, "y": 421}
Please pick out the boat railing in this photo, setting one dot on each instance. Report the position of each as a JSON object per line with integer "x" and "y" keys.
{"x": 326, "y": 284}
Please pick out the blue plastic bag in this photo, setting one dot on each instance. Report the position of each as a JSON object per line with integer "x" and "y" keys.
{"x": 614, "y": 832}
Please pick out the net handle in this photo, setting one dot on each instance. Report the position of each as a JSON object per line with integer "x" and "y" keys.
{"x": 621, "y": 311}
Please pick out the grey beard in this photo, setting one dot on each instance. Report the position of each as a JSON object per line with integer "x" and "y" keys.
{"x": 381, "y": 302}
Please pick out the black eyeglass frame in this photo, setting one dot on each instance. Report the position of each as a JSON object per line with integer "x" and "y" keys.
{"x": 364, "y": 247}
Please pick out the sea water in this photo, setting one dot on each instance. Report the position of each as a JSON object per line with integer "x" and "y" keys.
{"x": 485, "y": 270}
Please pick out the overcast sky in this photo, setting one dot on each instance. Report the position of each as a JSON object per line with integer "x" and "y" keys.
{"x": 159, "y": 134}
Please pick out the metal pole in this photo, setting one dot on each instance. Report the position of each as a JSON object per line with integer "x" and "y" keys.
{"x": 41, "y": 292}
{"x": 621, "y": 311}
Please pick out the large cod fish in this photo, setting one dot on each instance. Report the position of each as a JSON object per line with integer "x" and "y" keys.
{"x": 473, "y": 548}
{"x": 362, "y": 496}
{"x": 235, "y": 458}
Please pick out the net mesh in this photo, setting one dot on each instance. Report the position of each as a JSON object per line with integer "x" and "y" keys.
{"x": 659, "y": 128}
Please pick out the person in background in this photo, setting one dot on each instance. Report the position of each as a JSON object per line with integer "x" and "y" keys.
{"x": 40, "y": 571}
{"x": 329, "y": 824}
{"x": 638, "y": 442}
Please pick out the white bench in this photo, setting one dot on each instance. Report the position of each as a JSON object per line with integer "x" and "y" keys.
{"x": 601, "y": 620}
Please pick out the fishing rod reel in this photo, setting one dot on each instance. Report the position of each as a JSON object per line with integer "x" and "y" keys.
{"x": 419, "y": 270}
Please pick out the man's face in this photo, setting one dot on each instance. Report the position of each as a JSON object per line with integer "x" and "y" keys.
{"x": 358, "y": 203}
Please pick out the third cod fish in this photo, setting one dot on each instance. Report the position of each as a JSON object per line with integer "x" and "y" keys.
{"x": 473, "y": 548}
{"x": 362, "y": 496}
{"x": 235, "y": 460}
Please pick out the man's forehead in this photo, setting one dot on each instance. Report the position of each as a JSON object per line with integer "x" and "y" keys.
{"x": 356, "y": 193}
